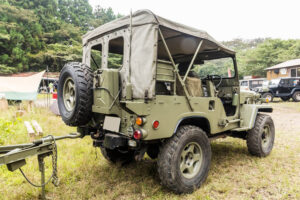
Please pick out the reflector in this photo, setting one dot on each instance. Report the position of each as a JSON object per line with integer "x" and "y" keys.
{"x": 155, "y": 124}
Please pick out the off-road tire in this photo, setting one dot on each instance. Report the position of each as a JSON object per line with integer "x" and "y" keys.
{"x": 285, "y": 98}
{"x": 115, "y": 155}
{"x": 169, "y": 159}
{"x": 295, "y": 95}
{"x": 82, "y": 76}
{"x": 255, "y": 136}
{"x": 268, "y": 95}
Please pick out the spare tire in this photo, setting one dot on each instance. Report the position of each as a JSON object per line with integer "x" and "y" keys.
{"x": 75, "y": 94}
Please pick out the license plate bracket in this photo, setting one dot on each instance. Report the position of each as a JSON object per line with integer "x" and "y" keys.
{"x": 112, "y": 123}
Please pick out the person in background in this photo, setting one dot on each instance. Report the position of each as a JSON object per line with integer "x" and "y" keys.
{"x": 51, "y": 87}
{"x": 55, "y": 86}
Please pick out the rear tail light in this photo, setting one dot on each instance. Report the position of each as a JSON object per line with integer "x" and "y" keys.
{"x": 140, "y": 121}
{"x": 137, "y": 134}
{"x": 140, "y": 134}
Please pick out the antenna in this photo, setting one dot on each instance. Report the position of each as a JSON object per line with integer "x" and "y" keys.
{"x": 47, "y": 75}
{"x": 130, "y": 38}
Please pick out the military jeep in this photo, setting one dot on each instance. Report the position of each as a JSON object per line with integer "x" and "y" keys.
{"x": 150, "y": 85}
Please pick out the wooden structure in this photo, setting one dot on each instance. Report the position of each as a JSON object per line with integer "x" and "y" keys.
{"x": 290, "y": 68}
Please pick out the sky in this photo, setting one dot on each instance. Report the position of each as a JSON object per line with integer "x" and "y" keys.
{"x": 223, "y": 19}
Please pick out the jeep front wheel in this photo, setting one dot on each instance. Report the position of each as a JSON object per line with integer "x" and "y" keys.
{"x": 75, "y": 95}
{"x": 268, "y": 96}
{"x": 184, "y": 160}
{"x": 260, "y": 139}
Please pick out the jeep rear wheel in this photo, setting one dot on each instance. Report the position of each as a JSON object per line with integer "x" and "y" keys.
{"x": 75, "y": 95}
{"x": 184, "y": 160}
{"x": 296, "y": 96}
{"x": 260, "y": 139}
{"x": 268, "y": 96}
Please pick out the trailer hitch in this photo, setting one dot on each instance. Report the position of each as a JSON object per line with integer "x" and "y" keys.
{"x": 13, "y": 156}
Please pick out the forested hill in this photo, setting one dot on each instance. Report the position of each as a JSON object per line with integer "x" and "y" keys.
{"x": 253, "y": 56}
{"x": 39, "y": 33}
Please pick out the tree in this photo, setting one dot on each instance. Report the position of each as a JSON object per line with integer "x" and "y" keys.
{"x": 102, "y": 16}
{"x": 76, "y": 12}
{"x": 269, "y": 53}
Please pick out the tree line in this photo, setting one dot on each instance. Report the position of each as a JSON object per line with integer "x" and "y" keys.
{"x": 39, "y": 33}
{"x": 253, "y": 56}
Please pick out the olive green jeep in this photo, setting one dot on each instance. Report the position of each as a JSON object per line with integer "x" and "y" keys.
{"x": 150, "y": 85}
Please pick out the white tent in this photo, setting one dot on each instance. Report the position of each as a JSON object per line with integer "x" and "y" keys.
{"x": 20, "y": 88}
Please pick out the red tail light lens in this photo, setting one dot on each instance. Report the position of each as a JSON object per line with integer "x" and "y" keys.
{"x": 137, "y": 134}
{"x": 155, "y": 124}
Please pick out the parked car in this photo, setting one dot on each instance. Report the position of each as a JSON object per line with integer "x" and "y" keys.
{"x": 285, "y": 88}
{"x": 251, "y": 84}
{"x": 263, "y": 88}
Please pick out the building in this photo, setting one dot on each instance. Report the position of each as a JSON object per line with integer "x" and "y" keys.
{"x": 290, "y": 68}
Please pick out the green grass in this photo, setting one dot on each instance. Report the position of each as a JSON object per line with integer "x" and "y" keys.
{"x": 85, "y": 174}
{"x": 44, "y": 96}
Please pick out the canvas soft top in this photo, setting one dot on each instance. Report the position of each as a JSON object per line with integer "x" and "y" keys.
{"x": 143, "y": 17}
{"x": 144, "y": 40}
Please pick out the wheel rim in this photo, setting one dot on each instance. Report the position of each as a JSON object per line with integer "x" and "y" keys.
{"x": 269, "y": 97}
{"x": 266, "y": 138}
{"x": 298, "y": 97}
{"x": 69, "y": 94}
{"x": 191, "y": 160}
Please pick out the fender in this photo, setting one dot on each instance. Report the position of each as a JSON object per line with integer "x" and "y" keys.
{"x": 270, "y": 91}
{"x": 249, "y": 113}
{"x": 199, "y": 121}
{"x": 295, "y": 90}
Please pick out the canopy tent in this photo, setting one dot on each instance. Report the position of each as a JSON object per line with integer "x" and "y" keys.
{"x": 144, "y": 35}
{"x": 20, "y": 88}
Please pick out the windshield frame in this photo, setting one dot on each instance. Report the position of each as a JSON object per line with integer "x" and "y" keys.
{"x": 235, "y": 69}
{"x": 274, "y": 82}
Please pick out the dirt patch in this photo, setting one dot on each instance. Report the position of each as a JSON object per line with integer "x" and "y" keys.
{"x": 286, "y": 119}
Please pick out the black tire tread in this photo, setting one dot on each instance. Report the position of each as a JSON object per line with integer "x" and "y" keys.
{"x": 294, "y": 96}
{"x": 165, "y": 155}
{"x": 84, "y": 76}
{"x": 253, "y": 136}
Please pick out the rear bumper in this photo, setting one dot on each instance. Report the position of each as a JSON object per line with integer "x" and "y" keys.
{"x": 113, "y": 141}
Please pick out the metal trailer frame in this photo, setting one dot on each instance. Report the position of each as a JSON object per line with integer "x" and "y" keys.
{"x": 13, "y": 156}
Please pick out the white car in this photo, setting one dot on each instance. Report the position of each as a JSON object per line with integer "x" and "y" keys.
{"x": 252, "y": 84}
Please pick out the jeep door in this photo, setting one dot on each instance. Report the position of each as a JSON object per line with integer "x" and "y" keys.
{"x": 284, "y": 87}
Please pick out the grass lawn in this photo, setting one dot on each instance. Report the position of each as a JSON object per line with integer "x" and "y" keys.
{"x": 44, "y": 96}
{"x": 85, "y": 174}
